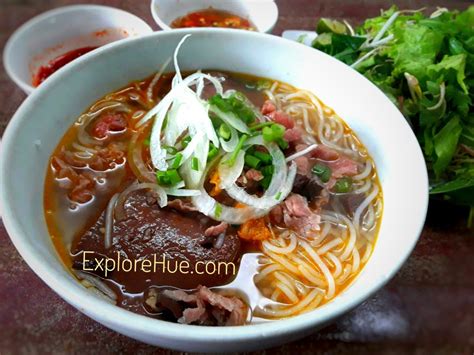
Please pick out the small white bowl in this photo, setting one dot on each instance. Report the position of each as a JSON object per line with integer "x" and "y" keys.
{"x": 58, "y": 31}
{"x": 262, "y": 13}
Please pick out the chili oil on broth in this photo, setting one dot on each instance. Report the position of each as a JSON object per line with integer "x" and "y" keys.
{"x": 301, "y": 273}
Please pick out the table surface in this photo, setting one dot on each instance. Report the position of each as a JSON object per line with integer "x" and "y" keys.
{"x": 427, "y": 308}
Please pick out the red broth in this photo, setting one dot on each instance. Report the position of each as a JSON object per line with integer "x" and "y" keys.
{"x": 212, "y": 18}
{"x": 57, "y": 63}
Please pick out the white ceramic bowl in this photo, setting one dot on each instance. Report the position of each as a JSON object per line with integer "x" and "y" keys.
{"x": 58, "y": 31}
{"x": 43, "y": 118}
{"x": 262, "y": 13}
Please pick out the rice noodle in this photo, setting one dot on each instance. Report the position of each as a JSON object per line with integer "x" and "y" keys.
{"x": 363, "y": 206}
{"x": 288, "y": 249}
{"x": 329, "y": 245}
{"x": 324, "y": 269}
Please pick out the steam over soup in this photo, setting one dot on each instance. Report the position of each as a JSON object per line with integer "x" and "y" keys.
{"x": 159, "y": 190}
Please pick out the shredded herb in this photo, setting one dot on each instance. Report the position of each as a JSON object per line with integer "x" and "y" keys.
{"x": 252, "y": 161}
{"x": 235, "y": 103}
{"x": 218, "y": 210}
{"x": 168, "y": 177}
{"x": 177, "y": 161}
{"x": 322, "y": 171}
{"x": 425, "y": 65}
{"x": 195, "y": 164}
{"x": 242, "y": 140}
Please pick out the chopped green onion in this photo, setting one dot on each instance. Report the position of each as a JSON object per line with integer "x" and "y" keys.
{"x": 169, "y": 177}
{"x": 146, "y": 142}
{"x": 273, "y": 133}
{"x": 218, "y": 210}
{"x": 343, "y": 185}
{"x": 283, "y": 144}
{"x": 170, "y": 150}
{"x": 213, "y": 151}
{"x": 264, "y": 157}
{"x": 162, "y": 178}
{"x": 186, "y": 141}
{"x": 261, "y": 125}
{"x": 268, "y": 170}
{"x": 322, "y": 171}
{"x": 252, "y": 161}
{"x": 177, "y": 161}
{"x": 224, "y": 132}
{"x": 242, "y": 140}
{"x": 278, "y": 196}
{"x": 235, "y": 104}
{"x": 195, "y": 164}
{"x": 174, "y": 176}
{"x": 265, "y": 182}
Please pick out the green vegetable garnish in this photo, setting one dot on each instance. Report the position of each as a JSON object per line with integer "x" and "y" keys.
{"x": 218, "y": 210}
{"x": 168, "y": 177}
{"x": 322, "y": 171}
{"x": 177, "y": 161}
{"x": 235, "y": 103}
{"x": 195, "y": 164}
{"x": 242, "y": 140}
{"x": 224, "y": 132}
{"x": 252, "y": 161}
{"x": 265, "y": 182}
{"x": 425, "y": 65}
{"x": 170, "y": 150}
{"x": 273, "y": 133}
{"x": 268, "y": 170}
{"x": 213, "y": 151}
{"x": 264, "y": 157}
{"x": 186, "y": 141}
{"x": 258, "y": 126}
{"x": 343, "y": 185}
{"x": 326, "y": 25}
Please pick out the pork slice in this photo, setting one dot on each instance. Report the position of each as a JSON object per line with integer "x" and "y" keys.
{"x": 216, "y": 230}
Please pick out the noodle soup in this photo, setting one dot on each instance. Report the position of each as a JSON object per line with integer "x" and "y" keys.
{"x": 187, "y": 174}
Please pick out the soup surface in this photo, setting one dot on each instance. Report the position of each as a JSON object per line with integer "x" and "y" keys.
{"x": 158, "y": 191}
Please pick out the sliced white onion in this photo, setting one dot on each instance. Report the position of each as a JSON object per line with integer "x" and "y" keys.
{"x": 190, "y": 176}
{"x": 231, "y": 144}
{"x": 208, "y": 206}
{"x": 182, "y": 192}
{"x": 231, "y": 119}
{"x": 266, "y": 201}
{"x": 229, "y": 174}
{"x": 109, "y": 221}
{"x": 278, "y": 161}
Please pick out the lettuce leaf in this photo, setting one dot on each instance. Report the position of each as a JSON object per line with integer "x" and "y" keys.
{"x": 438, "y": 52}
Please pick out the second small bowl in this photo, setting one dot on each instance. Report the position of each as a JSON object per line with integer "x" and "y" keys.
{"x": 262, "y": 13}
{"x": 61, "y": 30}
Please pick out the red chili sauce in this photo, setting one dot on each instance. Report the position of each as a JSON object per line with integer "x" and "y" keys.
{"x": 212, "y": 18}
{"x": 57, "y": 63}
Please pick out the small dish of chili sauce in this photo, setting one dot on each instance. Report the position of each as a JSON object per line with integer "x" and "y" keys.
{"x": 57, "y": 63}
{"x": 211, "y": 17}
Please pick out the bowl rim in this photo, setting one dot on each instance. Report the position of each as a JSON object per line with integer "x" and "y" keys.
{"x": 38, "y": 19}
{"x": 115, "y": 317}
{"x": 166, "y": 27}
